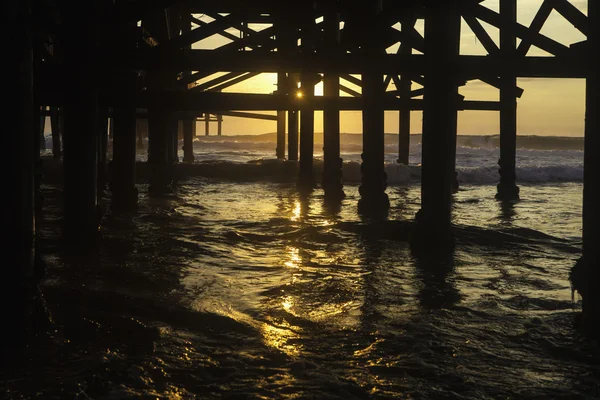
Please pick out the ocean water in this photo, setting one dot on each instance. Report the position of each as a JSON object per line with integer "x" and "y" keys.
{"x": 243, "y": 288}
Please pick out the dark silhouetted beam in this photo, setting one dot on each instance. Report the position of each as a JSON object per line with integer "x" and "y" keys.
{"x": 241, "y": 114}
{"x": 537, "y": 39}
{"x": 572, "y": 14}
{"x": 536, "y": 26}
{"x": 484, "y": 37}
{"x": 469, "y": 66}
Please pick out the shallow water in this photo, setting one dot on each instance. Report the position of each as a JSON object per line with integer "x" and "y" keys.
{"x": 249, "y": 290}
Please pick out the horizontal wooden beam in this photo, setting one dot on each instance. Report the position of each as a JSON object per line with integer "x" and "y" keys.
{"x": 189, "y": 103}
{"x": 249, "y": 115}
{"x": 572, "y": 66}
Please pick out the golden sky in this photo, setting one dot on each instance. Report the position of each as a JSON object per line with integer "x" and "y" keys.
{"x": 548, "y": 107}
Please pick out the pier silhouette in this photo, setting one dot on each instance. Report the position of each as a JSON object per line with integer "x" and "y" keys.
{"x": 133, "y": 63}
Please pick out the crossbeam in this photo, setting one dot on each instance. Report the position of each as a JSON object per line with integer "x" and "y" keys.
{"x": 468, "y": 66}
{"x": 543, "y": 42}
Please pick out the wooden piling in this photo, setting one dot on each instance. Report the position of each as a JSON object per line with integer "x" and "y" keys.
{"x": 141, "y": 126}
{"x": 287, "y": 37}
{"x": 591, "y": 179}
{"x": 172, "y": 141}
{"x": 18, "y": 163}
{"x": 206, "y": 124}
{"x": 307, "y": 132}
{"x": 124, "y": 192}
{"x": 281, "y": 89}
{"x": 293, "y": 135}
{"x": 373, "y": 199}
{"x": 158, "y": 157}
{"x": 80, "y": 134}
{"x": 308, "y": 80}
{"x": 332, "y": 163}
{"x": 293, "y": 123}
{"x": 442, "y": 35}
{"x": 42, "y": 128}
{"x": 189, "y": 125}
{"x": 38, "y": 127}
{"x": 507, "y": 188}
{"x": 284, "y": 45}
{"x": 160, "y": 118}
{"x": 586, "y": 273}
{"x": 111, "y": 128}
{"x": 55, "y": 126}
{"x": 102, "y": 149}
{"x": 404, "y": 89}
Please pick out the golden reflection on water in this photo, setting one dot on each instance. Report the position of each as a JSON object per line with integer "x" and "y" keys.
{"x": 293, "y": 257}
{"x": 287, "y": 303}
{"x": 296, "y": 211}
{"x": 280, "y": 337}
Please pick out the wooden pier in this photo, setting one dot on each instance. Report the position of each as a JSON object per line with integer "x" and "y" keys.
{"x": 81, "y": 61}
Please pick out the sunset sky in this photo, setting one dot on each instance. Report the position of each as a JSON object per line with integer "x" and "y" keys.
{"x": 548, "y": 106}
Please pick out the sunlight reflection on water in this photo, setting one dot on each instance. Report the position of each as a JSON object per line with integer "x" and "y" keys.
{"x": 258, "y": 291}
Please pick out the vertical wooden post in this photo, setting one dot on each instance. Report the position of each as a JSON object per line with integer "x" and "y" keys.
{"x": 293, "y": 121}
{"x": 281, "y": 122}
{"x": 123, "y": 189}
{"x": 307, "y": 113}
{"x": 172, "y": 142}
{"x": 282, "y": 36}
{"x": 37, "y": 142}
{"x": 176, "y": 140}
{"x": 288, "y": 36}
{"x": 585, "y": 276}
{"x": 219, "y": 124}
{"x": 405, "y": 95}
{"x": 158, "y": 157}
{"x": 80, "y": 126}
{"x": 102, "y": 149}
{"x": 293, "y": 135}
{"x": 42, "y": 126}
{"x": 111, "y": 128}
{"x": 332, "y": 163}
{"x": 141, "y": 126}
{"x": 307, "y": 132}
{"x": 55, "y": 125}
{"x": 373, "y": 199}
{"x": 591, "y": 179}
{"x": 189, "y": 123}
{"x": 206, "y": 124}
{"x": 188, "y": 139}
{"x": 281, "y": 90}
{"x": 442, "y": 36}
{"x": 159, "y": 116}
{"x": 18, "y": 164}
{"x": 507, "y": 188}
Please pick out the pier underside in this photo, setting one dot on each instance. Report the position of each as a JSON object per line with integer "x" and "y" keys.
{"x": 158, "y": 69}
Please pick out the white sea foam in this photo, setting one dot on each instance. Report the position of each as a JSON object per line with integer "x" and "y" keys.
{"x": 402, "y": 174}
{"x": 539, "y": 159}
